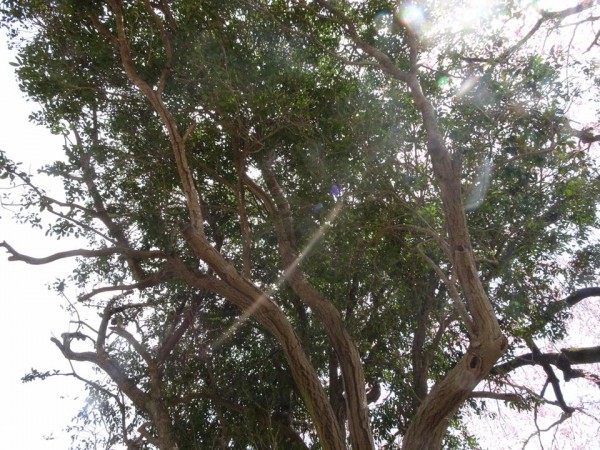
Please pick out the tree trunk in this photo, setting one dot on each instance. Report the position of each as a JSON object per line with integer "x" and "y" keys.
{"x": 487, "y": 343}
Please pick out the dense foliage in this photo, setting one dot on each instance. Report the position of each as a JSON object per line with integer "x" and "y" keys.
{"x": 280, "y": 158}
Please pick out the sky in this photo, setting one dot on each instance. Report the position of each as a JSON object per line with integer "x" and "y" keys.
{"x": 31, "y": 314}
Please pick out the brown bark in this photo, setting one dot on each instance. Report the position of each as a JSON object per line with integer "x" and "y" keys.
{"x": 239, "y": 157}
{"x": 246, "y": 296}
{"x": 420, "y": 357}
{"x": 346, "y": 351}
{"x": 239, "y": 290}
{"x": 487, "y": 342}
{"x": 151, "y": 403}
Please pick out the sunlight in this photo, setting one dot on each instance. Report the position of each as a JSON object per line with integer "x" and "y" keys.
{"x": 467, "y": 85}
{"x": 477, "y": 196}
{"x": 414, "y": 18}
{"x": 472, "y": 11}
{"x": 383, "y": 21}
{"x": 317, "y": 235}
{"x": 549, "y": 5}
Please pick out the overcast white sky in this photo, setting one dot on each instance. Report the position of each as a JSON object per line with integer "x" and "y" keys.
{"x": 30, "y": 313}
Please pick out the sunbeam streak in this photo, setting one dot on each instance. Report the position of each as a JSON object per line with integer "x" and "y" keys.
{"x": 317, "y": 235}
{"x": 477, "y": 195}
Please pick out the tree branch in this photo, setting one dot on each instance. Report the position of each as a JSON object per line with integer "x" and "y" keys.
{"x": 562, "y": 360}
{"x": 343, "y": 344}
{"x": 162, "y": 276}
{"x": 137, "y": 346}
{"x": 115, "y": 230}
{"x": 454, "y": 294}
{"x": 147, "y": 254}
{"x": 504, "y": 396}
{"x": 382, "y": 59}
{"x": 164, "y": 36}
{"x": 178, "y": 145}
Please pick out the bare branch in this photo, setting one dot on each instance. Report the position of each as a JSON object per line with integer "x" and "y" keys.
{"x": 504, "y": 396}
{"x": 594, "y": 42}
{"x": 554, "y": 308}
{"x": 546, "y": 16}
{"x": 65, "y": 348}
{"x": 146, "y": 254}
{"x": 155, "y": 279}
{"x": 551, "y": 378}
{"x": 564, "y": 416}
{"x": 562, "y": 360}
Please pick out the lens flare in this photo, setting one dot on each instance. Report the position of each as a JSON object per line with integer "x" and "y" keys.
{"x": 316, "y": 237}
{"x": 477, "y": 195}
{"x": 413, "y": 17}
{"x": 443, "y": 81}
{"x": 466, "y": 86}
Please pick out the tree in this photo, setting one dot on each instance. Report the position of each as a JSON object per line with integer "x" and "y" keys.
{"x": 295, "y": 207}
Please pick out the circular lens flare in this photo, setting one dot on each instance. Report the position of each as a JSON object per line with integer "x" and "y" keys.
{"x": 413, "y": 17}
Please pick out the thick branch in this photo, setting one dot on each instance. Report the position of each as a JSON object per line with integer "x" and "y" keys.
{"x": 239, "y": 157}
{"x": 177, "y": 142}
{"x": 65, "y": 348}
{"x": 173, "y": 338}
{"x": 253, "y": 302}
{"x": 552, "y": 378}
{"x": 554, "y": 308}
{"x": 343, "y": 344}
{"x": 562, "y": 360}
{"x": 487, "y": 343}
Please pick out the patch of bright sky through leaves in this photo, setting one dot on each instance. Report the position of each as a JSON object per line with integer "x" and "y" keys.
{"x": 466, "y": 15}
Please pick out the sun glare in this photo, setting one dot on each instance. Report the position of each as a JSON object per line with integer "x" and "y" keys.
{"x": 414, "y": 18}
{"x": 472, "y": 11}
{"x": 316, "y": 237}
{"x": 549, "y": 5}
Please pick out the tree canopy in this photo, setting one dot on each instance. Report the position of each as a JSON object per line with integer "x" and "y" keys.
{"x": 313, "y": 224}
